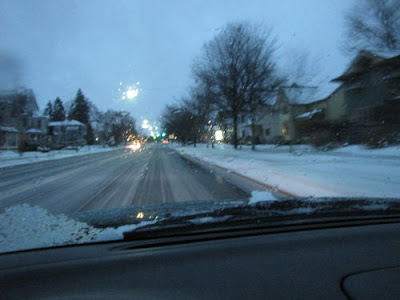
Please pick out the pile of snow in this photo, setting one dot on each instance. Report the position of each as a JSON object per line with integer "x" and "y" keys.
{"x": 261, "y": 196}
{"x": 21, "y": 230}
{"x": 12, "y": 158}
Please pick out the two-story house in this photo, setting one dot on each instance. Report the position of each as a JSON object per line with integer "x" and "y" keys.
{"x": 20, "y": 119}
{"x": 370, "y": 95}
{"x": 287, "y": 118}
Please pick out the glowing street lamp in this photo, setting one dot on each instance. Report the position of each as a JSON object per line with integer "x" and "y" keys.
{"x": 145, "y": 124}
{"x": 219, "y": 135}
{"x": 131, "y": 93}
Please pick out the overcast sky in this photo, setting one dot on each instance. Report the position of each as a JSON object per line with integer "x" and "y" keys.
{"x": 103, "y": 47}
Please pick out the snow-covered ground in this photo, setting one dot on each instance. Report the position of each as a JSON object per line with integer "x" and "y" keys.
{"x": 19, "y": 231}
{"x": 12, "y": 158}
{"x": 301, "y": 170}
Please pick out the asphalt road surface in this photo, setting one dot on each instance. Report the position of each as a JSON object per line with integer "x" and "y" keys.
{"x": 155, "y": 174}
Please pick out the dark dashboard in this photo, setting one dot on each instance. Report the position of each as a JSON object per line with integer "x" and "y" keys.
{"x": 353, "y": 261}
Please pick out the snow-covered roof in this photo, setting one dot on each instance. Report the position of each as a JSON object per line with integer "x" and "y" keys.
{"x": 66, "y": 123}
{"x": 309, "y": 114}
{"x": 34, "y": 130}
{"x": 309, "y": 94}
{"x": 38, "y": 114}
{"x": 300, "y": 95}
{"x": 8, "y": 129}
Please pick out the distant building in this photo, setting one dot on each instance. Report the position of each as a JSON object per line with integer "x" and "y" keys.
{"x": 67, "y": 133}
{"x": 20, "y": 120}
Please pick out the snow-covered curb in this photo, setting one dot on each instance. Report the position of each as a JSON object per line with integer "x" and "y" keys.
{"x": 301, "y": 170}
{"x": 12, "y": 158}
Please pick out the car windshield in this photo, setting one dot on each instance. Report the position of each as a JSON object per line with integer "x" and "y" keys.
{"x": 120, "y": 116}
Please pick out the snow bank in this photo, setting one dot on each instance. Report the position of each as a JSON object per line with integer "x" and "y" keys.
{"x": 301, "y": 170}
{"x": 20, "y": 230}
{"x": 12, "y": 158}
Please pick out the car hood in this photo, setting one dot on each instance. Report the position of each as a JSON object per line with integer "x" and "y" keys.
{"x": 21, "y": 230}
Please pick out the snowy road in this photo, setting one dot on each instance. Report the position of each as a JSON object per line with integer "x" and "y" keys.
{"x": 118, "y": 178}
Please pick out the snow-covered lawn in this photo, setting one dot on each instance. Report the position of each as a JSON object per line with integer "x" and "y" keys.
{"x": 12, "y": 158}
{"x": 301, "y": 170}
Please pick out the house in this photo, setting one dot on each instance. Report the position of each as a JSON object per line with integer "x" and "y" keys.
{"x": 67, "y": 133}
{"x": 20, "y": 120}
{"x": 370, "y": 96}
{"x": 361, "y": 104}
{"x": 281, "y": 120}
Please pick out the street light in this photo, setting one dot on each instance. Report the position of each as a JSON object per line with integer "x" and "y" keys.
{"x": 219, "y": 135}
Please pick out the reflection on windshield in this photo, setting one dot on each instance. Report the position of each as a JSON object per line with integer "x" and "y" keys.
{"x": 115, "y": 117}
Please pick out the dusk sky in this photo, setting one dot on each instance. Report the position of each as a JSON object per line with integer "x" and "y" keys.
{"x": 103, "y": 47}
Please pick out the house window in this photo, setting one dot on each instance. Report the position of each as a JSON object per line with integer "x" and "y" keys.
{"x": 267, "y": 131}
{"x": 284, "y": 130}
{"x": 39, "y": 124}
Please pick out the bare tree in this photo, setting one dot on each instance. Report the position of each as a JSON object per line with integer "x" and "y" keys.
{"x": 179, "y": 120}
{"x": 260, "y": 75}
{"x": 373, "y": 25}
{"x": 301, "y": 67}
{"x": 237, "y": 69}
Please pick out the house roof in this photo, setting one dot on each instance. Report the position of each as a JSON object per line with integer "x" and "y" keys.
{"x": 38, "y": 114}
{"x": 8, "y": 129}
{"x": 309, "y": 114}
{"x": 9, "y": 96}
{"x": 308, "y": 94}
{"x": 66, "y": 123}
{"x": 34, "y": 130}
{"x": 364, "y": 61}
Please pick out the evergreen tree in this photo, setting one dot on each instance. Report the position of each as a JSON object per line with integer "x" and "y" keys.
{"x": 48, "y": 111}
{"x": 58, "y": 111}
{"x": 80, "y": 109}
{"x": 80, "y": 112}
